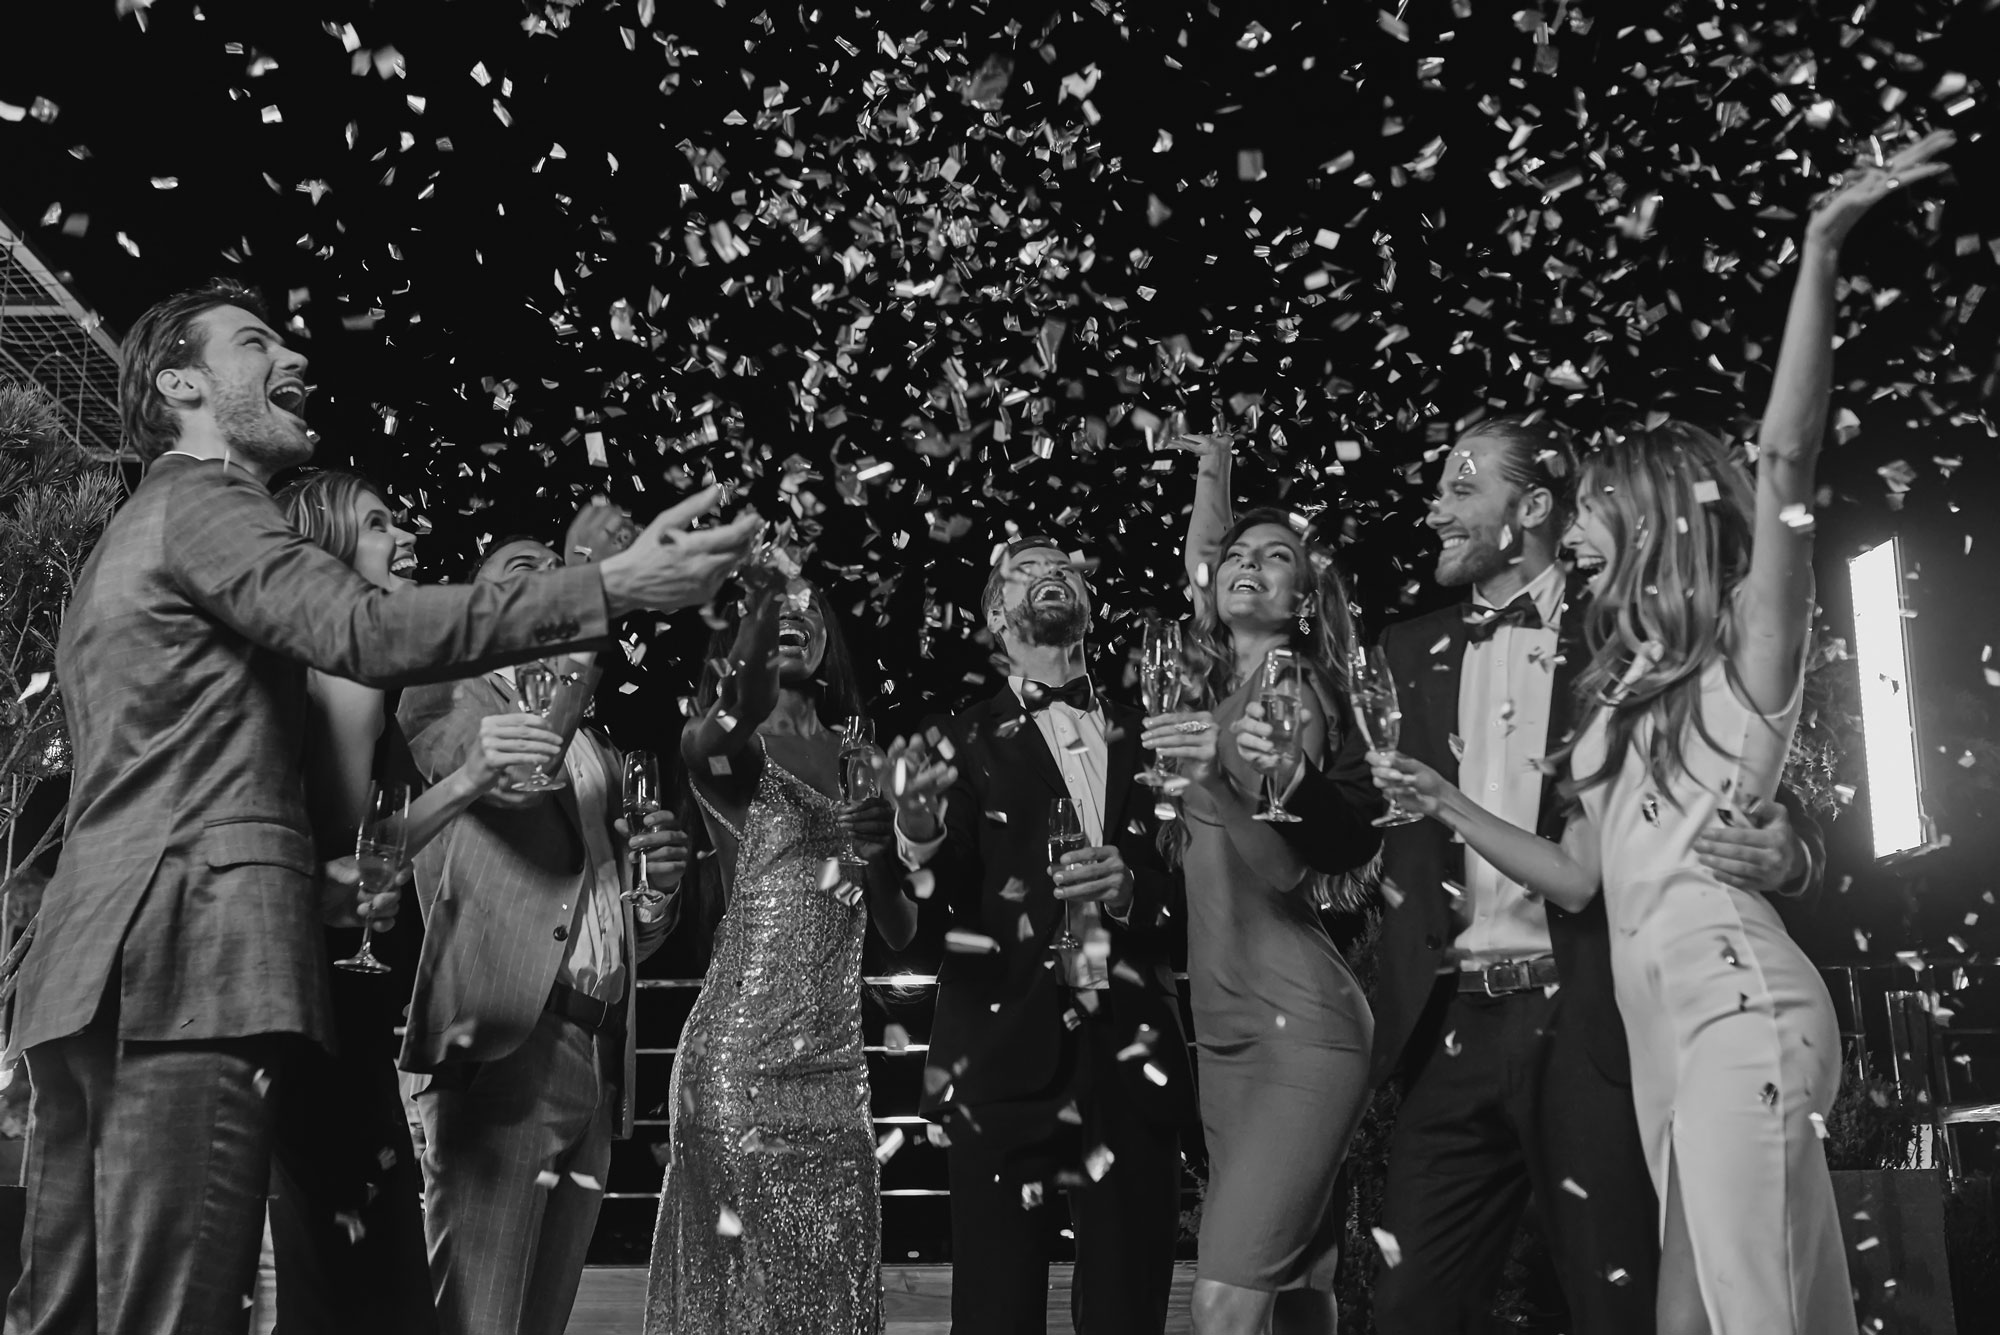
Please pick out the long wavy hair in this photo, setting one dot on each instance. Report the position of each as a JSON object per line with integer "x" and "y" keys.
{"x": 1679, "y": 507}
{"x": 837, "y": 690}
{"x": 321, "y": 506}
{"x": 1325, "y": 649}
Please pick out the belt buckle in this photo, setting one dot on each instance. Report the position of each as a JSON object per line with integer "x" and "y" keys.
{"x": 1513, "y": 968}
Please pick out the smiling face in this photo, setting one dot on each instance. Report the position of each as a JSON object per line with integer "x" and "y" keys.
{"x": 1043, "y": 600}
{"x": 512, "y": 558}
{"x": 1261, "y": 579}
{"x": 1475, "y": 513}
{"x": 801, "y": 633}
{"x": 251, "y": 384}
{"x": 384, "y": 555}
{"x": 1591, "y": 542}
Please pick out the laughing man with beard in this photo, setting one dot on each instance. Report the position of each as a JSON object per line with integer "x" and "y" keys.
{"x": 1050, "y": 1068}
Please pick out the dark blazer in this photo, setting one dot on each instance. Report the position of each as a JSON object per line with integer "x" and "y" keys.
{"x": 1425, "y": 656}
{"x": 187, "y": 871}
{"x": 998, "y": 1035}
{"x": 499, "y": 890}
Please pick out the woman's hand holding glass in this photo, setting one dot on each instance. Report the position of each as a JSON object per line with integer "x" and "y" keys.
{"x": 1412, "y": 786}
{"x": 1186, "y": 738}
{"x": 1256, "y": 741}
{"x": 915, "y": 780}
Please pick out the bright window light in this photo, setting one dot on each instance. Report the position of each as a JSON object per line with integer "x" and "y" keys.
{"x": 1888, "y": 713}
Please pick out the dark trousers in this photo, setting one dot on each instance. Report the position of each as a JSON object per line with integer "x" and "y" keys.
{"x": 1125, "y": 1221}
{"x": 1506, "y": 1105}
{"x": 146, "y": 1171}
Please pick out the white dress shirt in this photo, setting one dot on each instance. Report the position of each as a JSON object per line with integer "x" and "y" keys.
{"x": 1505, "y": 687}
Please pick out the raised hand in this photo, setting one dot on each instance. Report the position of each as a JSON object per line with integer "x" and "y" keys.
{"x": 1252, "y": 736}
{"x": 506, "y": 740}
{"x": 600, "y": 531}
{"x": 1410, "y": 783}
{"x": 1096, "y": 874}
{"x": 669, "y": 567}
{"x": 915, "y": 781}
{"x": 870, "y": 824}
{"x": 1206, "y": 444}
{"x": 1867, "y": 184}
{"x": 665, "y": 845}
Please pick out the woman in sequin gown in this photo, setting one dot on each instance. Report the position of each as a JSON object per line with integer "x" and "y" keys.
{"x": 769, "y": 1220}
{"x": 1703, "y": 597}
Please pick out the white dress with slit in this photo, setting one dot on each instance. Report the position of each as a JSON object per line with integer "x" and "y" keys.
{"x": 1735, "y": 1047}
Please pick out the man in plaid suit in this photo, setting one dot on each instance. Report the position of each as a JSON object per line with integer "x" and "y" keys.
{"x": 179, "y": 943}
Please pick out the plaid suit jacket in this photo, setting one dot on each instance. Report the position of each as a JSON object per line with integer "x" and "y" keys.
{"x": 187, "y": 872}
{"x": 499, "y": 889}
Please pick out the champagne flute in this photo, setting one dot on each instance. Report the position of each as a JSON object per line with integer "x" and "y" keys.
{"x": 1279, "y": 695}
{"x": 642, "y": 798}
{"x": 1381, "y": 719}
{"x": 858, "y": 760}
{"x": 380, "y": 849}
{"x": 537, "y": 685}
{"x": 1065, "y": 836}
{"x": 1160, "y": 683}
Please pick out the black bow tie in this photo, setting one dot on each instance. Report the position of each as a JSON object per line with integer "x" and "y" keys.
{"x": 1076, "y": 694}
{"x": 1482, "y": 622}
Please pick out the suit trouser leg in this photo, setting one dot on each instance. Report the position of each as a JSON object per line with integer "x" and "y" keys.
{"x": 1606, "y": 1241}
{"x": 999, "y": 1247}
{"x": 1126, "y": 1221}
{"x": 506, "y": 1247}
{"x": 179, "y": 1136}
{"x": 1457, "y": 1177}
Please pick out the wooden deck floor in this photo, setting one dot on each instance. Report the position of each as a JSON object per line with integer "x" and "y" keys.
{"x": 917, "y": 1301}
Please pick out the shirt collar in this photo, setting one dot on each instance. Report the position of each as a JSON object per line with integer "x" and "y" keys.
{"x": 1546, "y": 589}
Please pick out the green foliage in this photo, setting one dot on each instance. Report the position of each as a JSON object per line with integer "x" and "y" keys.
{"x": 54, "y": 502}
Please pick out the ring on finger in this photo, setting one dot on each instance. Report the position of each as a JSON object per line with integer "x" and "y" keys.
{"x": 1894, "y": 183}
{"x": 1192, "y": 725}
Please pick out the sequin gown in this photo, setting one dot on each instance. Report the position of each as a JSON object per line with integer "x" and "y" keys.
{"x": 1735, "y": 1047}
{"x": 769, "y": 1221}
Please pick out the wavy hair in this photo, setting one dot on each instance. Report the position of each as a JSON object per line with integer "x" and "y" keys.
{"x": 1679, "y": 507}
{"x": 165, "y": 338}
{"x": 320, "y": 505}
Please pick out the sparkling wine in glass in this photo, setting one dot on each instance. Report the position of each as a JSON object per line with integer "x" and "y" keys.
{"x": 1160, "y": 682}
{"x": 380, "y": 849}
{"x": 1065, "y": 836}
{"x": 1279, "y": 696}
{"x": 1381, "y": 719}
{"x": 858, "y": 759}
{"x": 537, "y": 685}
{"x": 642, "y": 798}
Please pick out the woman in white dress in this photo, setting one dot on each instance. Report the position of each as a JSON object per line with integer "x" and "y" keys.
{"x": 1703, "y": 601}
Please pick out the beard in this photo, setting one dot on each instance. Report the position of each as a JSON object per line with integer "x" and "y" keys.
{"x": 1479, "y": 559}
{"x": 257, "y": 432}
{"x": 1048, "y": 625}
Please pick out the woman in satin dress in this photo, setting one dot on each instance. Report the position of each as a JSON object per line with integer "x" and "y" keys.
{"x": 769, "y": 1218}
{"x": 1703, "y": 598}
{"x": 1282, "y": 1030}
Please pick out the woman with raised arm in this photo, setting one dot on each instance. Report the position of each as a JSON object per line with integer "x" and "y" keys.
{"x": 769, "y": 1218}
{"x": 1698, "y": 629}
{"x": 1282, "y": 1031}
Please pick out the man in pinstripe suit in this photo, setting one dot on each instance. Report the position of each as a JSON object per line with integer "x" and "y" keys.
{"x": 520, "y": 1044}
{"x": 179, "y": 947}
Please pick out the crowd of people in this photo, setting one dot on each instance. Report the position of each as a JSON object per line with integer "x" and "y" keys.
{"x": 1570, "y": 779}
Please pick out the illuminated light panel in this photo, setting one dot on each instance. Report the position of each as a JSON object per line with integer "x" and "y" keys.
{"x": 1888, "y": 713}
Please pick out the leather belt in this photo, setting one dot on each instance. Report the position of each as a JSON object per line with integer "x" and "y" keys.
{"x": 582, "y": 1011}
{"x": 1508, "y": 976}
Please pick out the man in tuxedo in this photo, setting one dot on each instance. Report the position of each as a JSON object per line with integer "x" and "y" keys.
{"x": 1496, "y": 1011}
{"x": 520, "y": 1045}
{"x": 179, "y": 948}
{"x": 1049, "y": 1066}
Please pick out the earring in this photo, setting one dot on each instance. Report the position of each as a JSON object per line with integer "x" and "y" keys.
{"x": 1305, "y": 620}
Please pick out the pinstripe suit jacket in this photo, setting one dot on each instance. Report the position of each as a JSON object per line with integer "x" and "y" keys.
{"x": 499, "y": 891}
{"x": 186, "y": 878}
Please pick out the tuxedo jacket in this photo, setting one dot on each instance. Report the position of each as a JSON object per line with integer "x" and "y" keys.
{"x": 187, "y": 873}
{"x": 998, "y": 1037}
{"x": 499, "y": 889}
{"x": 1426, "y": 655}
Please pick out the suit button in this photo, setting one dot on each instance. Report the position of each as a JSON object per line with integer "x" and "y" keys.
{"x": 562, "y": 933}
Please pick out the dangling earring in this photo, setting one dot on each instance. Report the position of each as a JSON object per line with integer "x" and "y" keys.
{"x": 1305, "y": 619}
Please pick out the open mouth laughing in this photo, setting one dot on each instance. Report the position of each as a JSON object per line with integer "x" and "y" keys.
{"x": 404, "y": 566}
{"x": 289, "y": 396}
